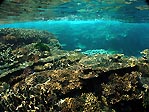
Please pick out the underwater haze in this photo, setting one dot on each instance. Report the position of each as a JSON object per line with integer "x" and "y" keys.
{"x": 127, "y": 38}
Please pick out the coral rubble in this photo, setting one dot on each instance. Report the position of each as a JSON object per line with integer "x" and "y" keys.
{"x": 36, "y": 75}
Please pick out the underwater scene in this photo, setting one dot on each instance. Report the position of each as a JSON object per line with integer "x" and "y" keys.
{"x": 74, "y": 56}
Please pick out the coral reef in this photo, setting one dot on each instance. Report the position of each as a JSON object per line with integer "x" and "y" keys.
{"x": 36, "y": 75}
{"x": 20, "y": 37}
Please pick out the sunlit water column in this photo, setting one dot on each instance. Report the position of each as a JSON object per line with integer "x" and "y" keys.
{"x": 127, "y": 38}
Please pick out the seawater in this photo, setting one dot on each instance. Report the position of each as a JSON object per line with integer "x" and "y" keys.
{"x": 127, "y": 38}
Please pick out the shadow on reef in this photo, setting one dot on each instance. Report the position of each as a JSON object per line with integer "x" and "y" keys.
{"x": 36, "y": 75}
{"x": 129, "y": 106}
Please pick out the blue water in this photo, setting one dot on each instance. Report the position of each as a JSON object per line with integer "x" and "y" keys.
{"x": 127, "y": 38}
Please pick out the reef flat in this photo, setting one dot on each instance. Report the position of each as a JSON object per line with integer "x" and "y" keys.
{"x": 36, "y": 75}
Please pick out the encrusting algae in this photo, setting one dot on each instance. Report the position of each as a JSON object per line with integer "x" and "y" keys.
{"x": 36, "y": 75}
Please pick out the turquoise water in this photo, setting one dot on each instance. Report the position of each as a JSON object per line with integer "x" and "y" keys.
{"x": 115, "y": 25}
{"x": 127, "y": 38}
